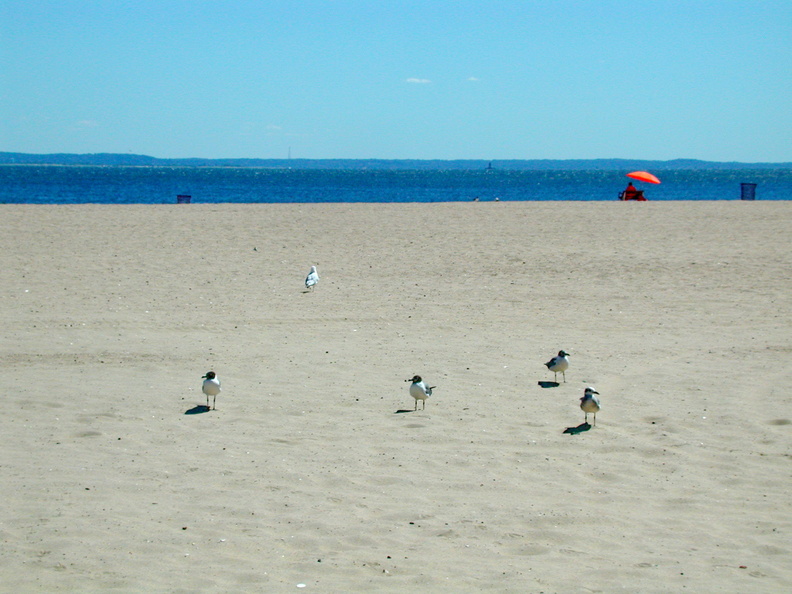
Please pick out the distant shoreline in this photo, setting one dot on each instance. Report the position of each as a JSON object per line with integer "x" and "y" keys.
{"x": 127, "y": 160}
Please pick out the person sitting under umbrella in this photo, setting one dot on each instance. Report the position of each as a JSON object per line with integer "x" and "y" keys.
{"x": 630, "y": 193}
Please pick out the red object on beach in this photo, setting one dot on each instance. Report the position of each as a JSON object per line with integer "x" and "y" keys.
{"x": 644, "y": 176}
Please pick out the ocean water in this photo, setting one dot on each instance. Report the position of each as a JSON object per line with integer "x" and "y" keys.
{"x": 50, "y": 184}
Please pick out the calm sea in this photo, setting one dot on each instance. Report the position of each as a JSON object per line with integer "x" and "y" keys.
{"x": 32, "y": 184}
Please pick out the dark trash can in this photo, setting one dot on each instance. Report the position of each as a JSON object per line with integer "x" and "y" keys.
{"x": 747, "y": 191}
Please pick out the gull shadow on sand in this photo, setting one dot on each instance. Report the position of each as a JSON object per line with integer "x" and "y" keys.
{"x": 579, "y": 429}
{"x": 197, "y": 410}
{"x": 549, "y": 384}
{"x": 403, "y": 410}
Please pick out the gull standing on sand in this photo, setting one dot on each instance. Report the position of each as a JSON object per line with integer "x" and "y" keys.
{"x": 211, "y": 387}
{"x": 590, "y": 403}
{"x": 311, "y": 279}
{"x": 419, "y": 390}
{"x": 558, "y": 365}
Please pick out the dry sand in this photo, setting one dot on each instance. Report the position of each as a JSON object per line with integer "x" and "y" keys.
{"x": 311, "y": 474}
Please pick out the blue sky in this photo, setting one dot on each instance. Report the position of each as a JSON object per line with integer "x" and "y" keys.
{"x": 449, "y": 79}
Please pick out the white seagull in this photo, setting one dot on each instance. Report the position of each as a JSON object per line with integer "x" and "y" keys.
{"x": 419, "y": 390}
{"x": 311, "y": 279}
{"x": 558, "y": 365}
{"x": 590, "y": 403}
{"x": 211, "y": 387}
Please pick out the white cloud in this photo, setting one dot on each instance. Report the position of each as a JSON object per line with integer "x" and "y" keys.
{"x": 473, "y": 79}
{"x": 420, "y": 81}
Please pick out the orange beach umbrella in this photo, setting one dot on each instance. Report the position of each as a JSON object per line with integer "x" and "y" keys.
{"x": 644, "y": 176}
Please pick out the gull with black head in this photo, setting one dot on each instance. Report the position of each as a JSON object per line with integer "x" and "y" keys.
{"x": 589, "y": 403}
{"x": 419, "y": 390}
{"x": 211, "y": 387}
{"x": 559, "y": 364}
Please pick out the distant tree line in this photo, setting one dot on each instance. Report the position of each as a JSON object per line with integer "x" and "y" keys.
{"x": 128, "y": 160}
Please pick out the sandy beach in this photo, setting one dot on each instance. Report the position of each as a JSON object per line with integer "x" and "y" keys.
{"x": 315, "y": 474}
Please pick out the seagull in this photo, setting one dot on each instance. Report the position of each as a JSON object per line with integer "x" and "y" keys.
{"x": 211, "y": 387}
{"x": 419, "y": 391}
{"x": 590, "y": 403}
{"x": 311, "y": 279}
{"x": 559, "y": 364}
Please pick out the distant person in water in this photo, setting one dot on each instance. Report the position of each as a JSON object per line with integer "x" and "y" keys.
{"x": 630, "y": 193}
